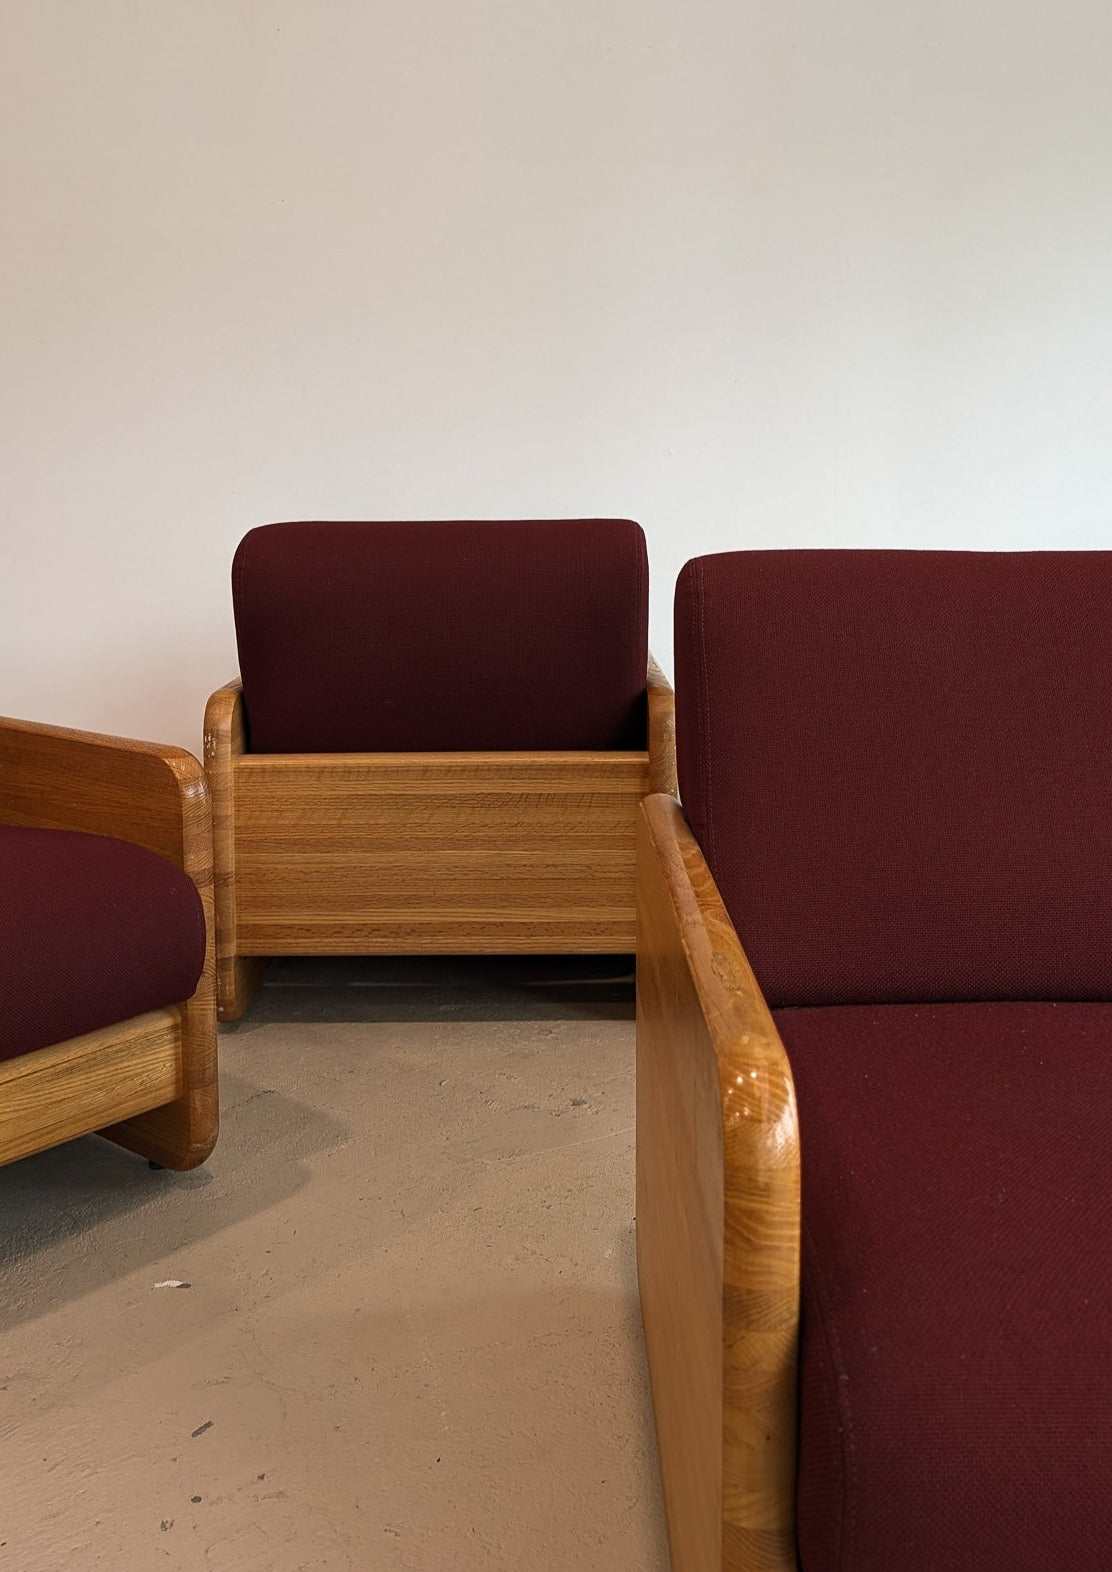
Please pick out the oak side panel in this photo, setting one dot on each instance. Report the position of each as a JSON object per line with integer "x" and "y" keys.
{"x": 662, "y": 733}
{"x": 436, "y": 852}
{"x": 680, "y": 1209}
{"x": 75, "y": 1087}
{"x": 717, "y": 1218}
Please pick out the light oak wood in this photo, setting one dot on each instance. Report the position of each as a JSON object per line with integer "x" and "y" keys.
{"x": 421, "y": 853}
{"x": 717, "y": 1218}
{"x": 58, "y": 1093}
{"x": 155, "y": 796}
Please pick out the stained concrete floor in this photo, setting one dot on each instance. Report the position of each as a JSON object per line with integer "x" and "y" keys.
{"x": 410, "y": 1338}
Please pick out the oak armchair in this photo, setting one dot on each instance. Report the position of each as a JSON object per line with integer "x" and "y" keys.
{"x": 107, "y": 1008}
{"x": 874, "y": 1043}
{"x": 437, "y": 744}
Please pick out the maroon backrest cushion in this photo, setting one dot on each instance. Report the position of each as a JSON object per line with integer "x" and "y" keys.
{"x": 899, "y": 767}
{"x": 458, "y": 636}
{"x": 93, "y": 931}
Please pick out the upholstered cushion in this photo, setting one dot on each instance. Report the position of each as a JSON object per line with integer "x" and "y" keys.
{"x": 956, "y": 1359}
{"x": 899, "y": 766}
{"x": 395, "y": 637}
{"x": 92, "y": 931}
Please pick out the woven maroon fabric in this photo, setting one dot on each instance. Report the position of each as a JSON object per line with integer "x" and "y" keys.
{"x": 93, "y": 931}
{"x": 899, "y": 766}
{"x": 411, "y": 637}
{"x": 956, "y": 1358}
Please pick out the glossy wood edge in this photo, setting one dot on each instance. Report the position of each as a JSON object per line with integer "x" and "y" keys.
{"x": 156, "y": 796}
{"x": 237, "y": 976}
{"x": 662, "y": 732}
{"x": 717, "y": 1218}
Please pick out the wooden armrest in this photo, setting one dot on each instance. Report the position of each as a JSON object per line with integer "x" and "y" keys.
{"x": 225, "y": 722}
{"x": 737, "y": 1018}
{"x": 718, "y": 1218}
{"x": 148, "y": 793}
{"x": 662, "y": 732}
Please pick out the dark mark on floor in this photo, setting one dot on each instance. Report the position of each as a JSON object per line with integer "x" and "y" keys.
{"x": 195, "y": 1499}
{"x": 200, "y": 1430}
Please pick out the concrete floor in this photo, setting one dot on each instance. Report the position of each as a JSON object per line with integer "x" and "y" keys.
{"x": 410, "y": 1338}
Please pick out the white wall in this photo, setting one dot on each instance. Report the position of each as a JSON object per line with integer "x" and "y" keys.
{"x": 754, "y": 273}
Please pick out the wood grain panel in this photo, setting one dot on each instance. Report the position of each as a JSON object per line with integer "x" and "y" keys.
{"x": 57, "y": 1093}
{"x": 717, "y": 1218}
{"x": 435, "y": 852}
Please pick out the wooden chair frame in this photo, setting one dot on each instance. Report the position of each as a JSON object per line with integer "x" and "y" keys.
{"x": 718, "y": 1218}
{"x": 423, "y": 853}
{"x": 150, "y": 1083}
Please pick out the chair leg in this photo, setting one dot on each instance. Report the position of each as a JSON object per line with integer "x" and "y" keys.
{"x": 238, "y": 978}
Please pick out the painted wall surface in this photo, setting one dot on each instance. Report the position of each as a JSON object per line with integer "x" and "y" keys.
{"x": 776, "y": 273}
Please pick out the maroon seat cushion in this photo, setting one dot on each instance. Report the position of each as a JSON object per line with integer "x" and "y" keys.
{"x": 899, "y": 766}
{"x": 413, "y": 637}
{"x": 92, "y": 931}
{"x": 956, "y": 1358}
